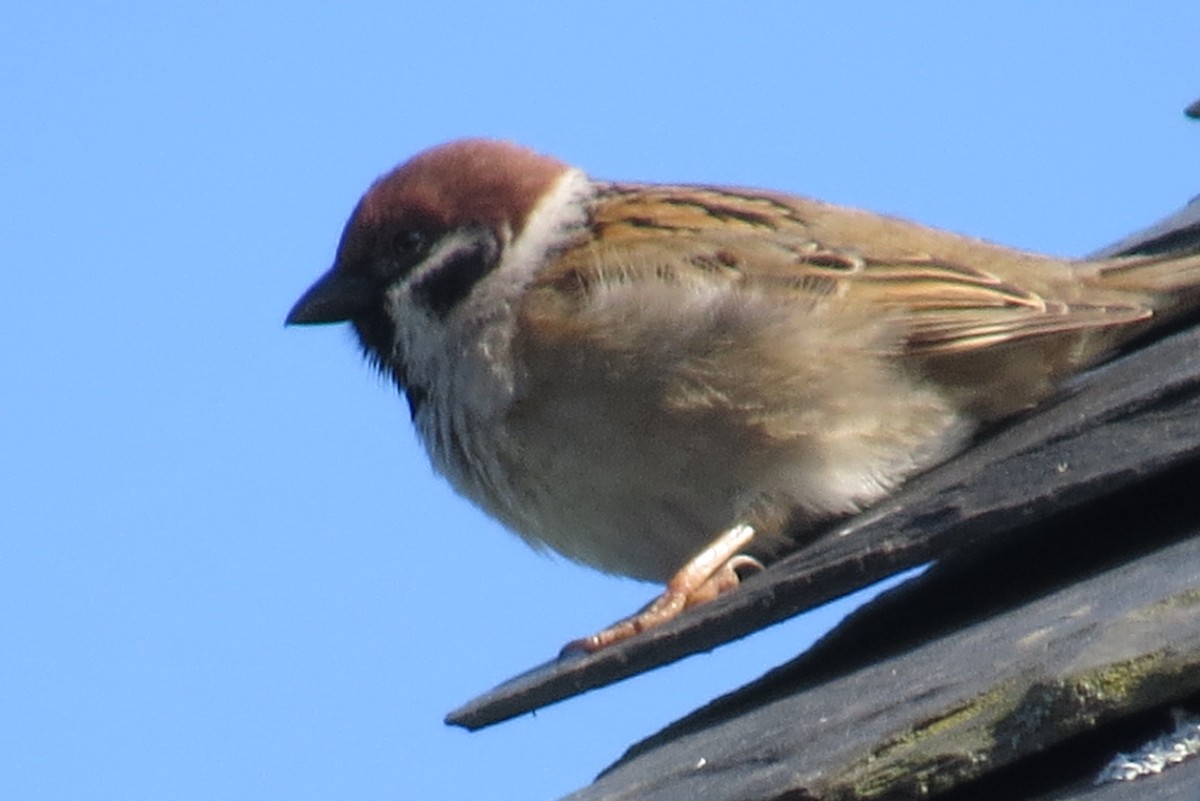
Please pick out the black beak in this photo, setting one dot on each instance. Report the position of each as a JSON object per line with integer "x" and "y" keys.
{"x": 335, "y": 298}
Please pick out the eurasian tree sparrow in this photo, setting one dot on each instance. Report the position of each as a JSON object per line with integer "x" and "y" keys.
{"x": 651, "y": 379}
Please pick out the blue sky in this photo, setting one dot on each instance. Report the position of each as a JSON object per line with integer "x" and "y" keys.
{"x": 226, "y": 570}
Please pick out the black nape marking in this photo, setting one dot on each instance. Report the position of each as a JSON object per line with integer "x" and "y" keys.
{"x": 445, "y": 285}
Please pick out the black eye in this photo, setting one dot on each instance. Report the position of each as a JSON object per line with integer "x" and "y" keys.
{"x": 408, "y": 244}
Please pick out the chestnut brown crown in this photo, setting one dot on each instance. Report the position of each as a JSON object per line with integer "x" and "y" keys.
{"x": 485, "y": 185}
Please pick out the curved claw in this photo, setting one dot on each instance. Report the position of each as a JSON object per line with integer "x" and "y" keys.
{"x": 708, "y": 574}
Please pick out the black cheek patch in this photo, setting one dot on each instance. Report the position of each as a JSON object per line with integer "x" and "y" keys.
{"x": 447, "y": 284}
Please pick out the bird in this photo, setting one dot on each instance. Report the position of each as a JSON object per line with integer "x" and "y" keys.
{"x": 667, "y": 381}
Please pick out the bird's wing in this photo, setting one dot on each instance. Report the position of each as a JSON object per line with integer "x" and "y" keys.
{"x": 954, "y": 294}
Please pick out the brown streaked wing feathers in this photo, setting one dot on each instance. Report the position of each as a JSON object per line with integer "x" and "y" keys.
{"x": 813, "y": 251}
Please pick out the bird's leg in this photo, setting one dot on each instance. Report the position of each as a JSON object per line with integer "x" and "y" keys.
{"x": 708, "y": 574}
